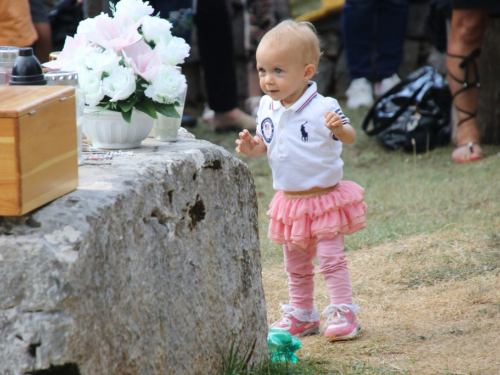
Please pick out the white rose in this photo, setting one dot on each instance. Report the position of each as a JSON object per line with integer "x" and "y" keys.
{"x": 100, "y": 61}
{"x": 77, "y": 60}
{"x": 88, "y": 25}
{"x": 167, "y": 86}
{"x": 76, "y": 64}
{"x": 174, "y": 52}
{"x": 156, "y": 29}
{"x": 91, "y": 85}
{"x": 136, "y": 8}
{"x": 120, "y": 84}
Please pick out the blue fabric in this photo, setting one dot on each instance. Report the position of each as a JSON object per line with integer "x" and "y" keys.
{"x": 167, "y": 6}
{"x": 466, "y": 4}
{"x": 369, "y": 23}
{"x": 39, "y": 13}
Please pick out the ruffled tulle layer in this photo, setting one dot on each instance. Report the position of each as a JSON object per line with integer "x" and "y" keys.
{"x": 302, "y": 221}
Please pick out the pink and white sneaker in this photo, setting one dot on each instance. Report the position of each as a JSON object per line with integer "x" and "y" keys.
{"x": 296, "y": 327}
{"x": 341, "y": 323}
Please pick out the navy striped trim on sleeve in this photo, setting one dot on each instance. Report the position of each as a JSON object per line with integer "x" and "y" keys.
{"x": 344, "y": 118}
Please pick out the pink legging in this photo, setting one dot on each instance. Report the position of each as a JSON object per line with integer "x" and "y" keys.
{"x": 332, "y": 264}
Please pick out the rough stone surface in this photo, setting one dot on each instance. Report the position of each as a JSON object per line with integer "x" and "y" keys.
{"x": 152, "y": 266}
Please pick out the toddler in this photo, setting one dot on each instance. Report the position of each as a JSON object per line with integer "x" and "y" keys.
{"x": 302, "y": 133}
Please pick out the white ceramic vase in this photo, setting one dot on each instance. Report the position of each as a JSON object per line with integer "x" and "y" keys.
{"x": 108, "y": 130}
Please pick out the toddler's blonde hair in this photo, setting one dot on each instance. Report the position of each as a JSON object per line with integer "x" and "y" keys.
{"x": 298, "y": 35}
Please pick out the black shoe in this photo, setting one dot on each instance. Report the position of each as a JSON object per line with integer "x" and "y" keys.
{"x": 189, "y": 121}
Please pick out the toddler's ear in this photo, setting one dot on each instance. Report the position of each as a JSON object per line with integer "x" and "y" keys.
{"x": 309, "y": 72}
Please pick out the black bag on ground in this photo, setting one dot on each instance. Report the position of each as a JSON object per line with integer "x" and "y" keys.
{"x": 414, "y": 114}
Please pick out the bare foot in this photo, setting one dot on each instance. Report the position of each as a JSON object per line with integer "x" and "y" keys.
{"x": 468, "y": 148}
{"x": 233, "y": 120}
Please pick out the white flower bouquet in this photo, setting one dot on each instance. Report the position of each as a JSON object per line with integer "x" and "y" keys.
{"x": 127, "y": 61}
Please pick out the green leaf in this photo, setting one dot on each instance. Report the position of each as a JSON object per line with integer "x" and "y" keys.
{"x": 127, "y": 116}
{"x": 147, "y": 107}
{"x": 105, "y": 105}
{"x": 126, "y": 106}
{"x": 112, "y": 106}
{"x": 167, "y": 110}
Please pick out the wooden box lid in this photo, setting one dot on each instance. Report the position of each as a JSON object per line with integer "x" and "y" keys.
{"x": 17, "y": 101}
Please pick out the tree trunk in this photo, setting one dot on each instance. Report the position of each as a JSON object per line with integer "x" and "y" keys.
{"x": 488, "y": 114}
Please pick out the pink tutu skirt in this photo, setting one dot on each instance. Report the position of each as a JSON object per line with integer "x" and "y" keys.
{"x": 299, "y": 222}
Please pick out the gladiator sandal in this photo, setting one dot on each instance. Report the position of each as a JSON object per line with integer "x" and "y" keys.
{"x": 466, "y": 85}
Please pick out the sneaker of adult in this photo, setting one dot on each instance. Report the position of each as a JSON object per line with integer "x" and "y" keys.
{"x": 385, "y": 85}
{"x": 359, "y": 94}
{"x": 208, "y": 114}
{"x": 341, "y": 323}
{"x": 296, "y": 327}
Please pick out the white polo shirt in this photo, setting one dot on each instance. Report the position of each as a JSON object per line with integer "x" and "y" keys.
{"x": 301, "y": 150}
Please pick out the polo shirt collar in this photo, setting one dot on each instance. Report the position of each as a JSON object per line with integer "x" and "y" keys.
{"x": 306, "y": 97}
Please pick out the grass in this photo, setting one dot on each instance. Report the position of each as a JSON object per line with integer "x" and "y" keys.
{"x": 235, "y": 363}
{"x": 425, "y": 271}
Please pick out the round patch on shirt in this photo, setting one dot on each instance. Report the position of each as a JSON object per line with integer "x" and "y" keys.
{"x": 267, "y": 129}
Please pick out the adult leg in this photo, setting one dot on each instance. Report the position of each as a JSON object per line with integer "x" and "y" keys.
{"x": 391, "y": 25}
{"x": 215, "y": 44}
{"x": 43, "y": 46}
{"x": 261, "y": 19}
{"x": 357, "y": 23}
{"x": 39, "y": 15}
{"x": 468, "y": 27}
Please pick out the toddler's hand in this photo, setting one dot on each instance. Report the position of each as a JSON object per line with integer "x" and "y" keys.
{"x": 333, "y": 121}
{"x": 246, "y": 143}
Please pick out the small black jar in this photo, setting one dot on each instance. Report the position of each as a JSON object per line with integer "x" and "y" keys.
{"x": 27, "y": 70}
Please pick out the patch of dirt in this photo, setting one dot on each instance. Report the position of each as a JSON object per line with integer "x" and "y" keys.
{"x": 429, "y": 305}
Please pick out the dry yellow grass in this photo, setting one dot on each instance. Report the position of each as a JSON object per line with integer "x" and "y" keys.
{"x": 444, "y": 325}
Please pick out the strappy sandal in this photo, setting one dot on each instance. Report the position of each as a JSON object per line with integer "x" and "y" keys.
{"x": 466, "y": 85}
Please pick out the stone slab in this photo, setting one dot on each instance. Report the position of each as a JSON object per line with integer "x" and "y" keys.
{"x": 152, "y": 266}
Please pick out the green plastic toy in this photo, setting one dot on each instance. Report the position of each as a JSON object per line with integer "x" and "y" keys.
{"x": 282, "y": 346}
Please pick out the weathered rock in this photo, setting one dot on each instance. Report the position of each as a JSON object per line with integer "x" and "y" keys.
{"x": 152, "y": 266}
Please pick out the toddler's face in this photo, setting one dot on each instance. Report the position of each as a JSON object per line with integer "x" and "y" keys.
{"x": 282, "y": 73}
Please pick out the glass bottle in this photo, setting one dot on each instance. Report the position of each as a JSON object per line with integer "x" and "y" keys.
{"x": 7, "y": 57}
{"x": 167, "y": 128}
{"x": 70, "y": 78}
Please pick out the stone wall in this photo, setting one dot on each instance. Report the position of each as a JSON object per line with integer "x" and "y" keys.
{"x": 152, "y": 266}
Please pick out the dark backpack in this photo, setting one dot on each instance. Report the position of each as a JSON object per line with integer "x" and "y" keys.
{"x": 414, "y": 115}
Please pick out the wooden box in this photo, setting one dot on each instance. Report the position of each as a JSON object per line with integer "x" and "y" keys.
{"x": 38, "y": 148}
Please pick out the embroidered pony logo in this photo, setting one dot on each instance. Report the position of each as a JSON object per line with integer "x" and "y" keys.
{"x": 305, "y": 136}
